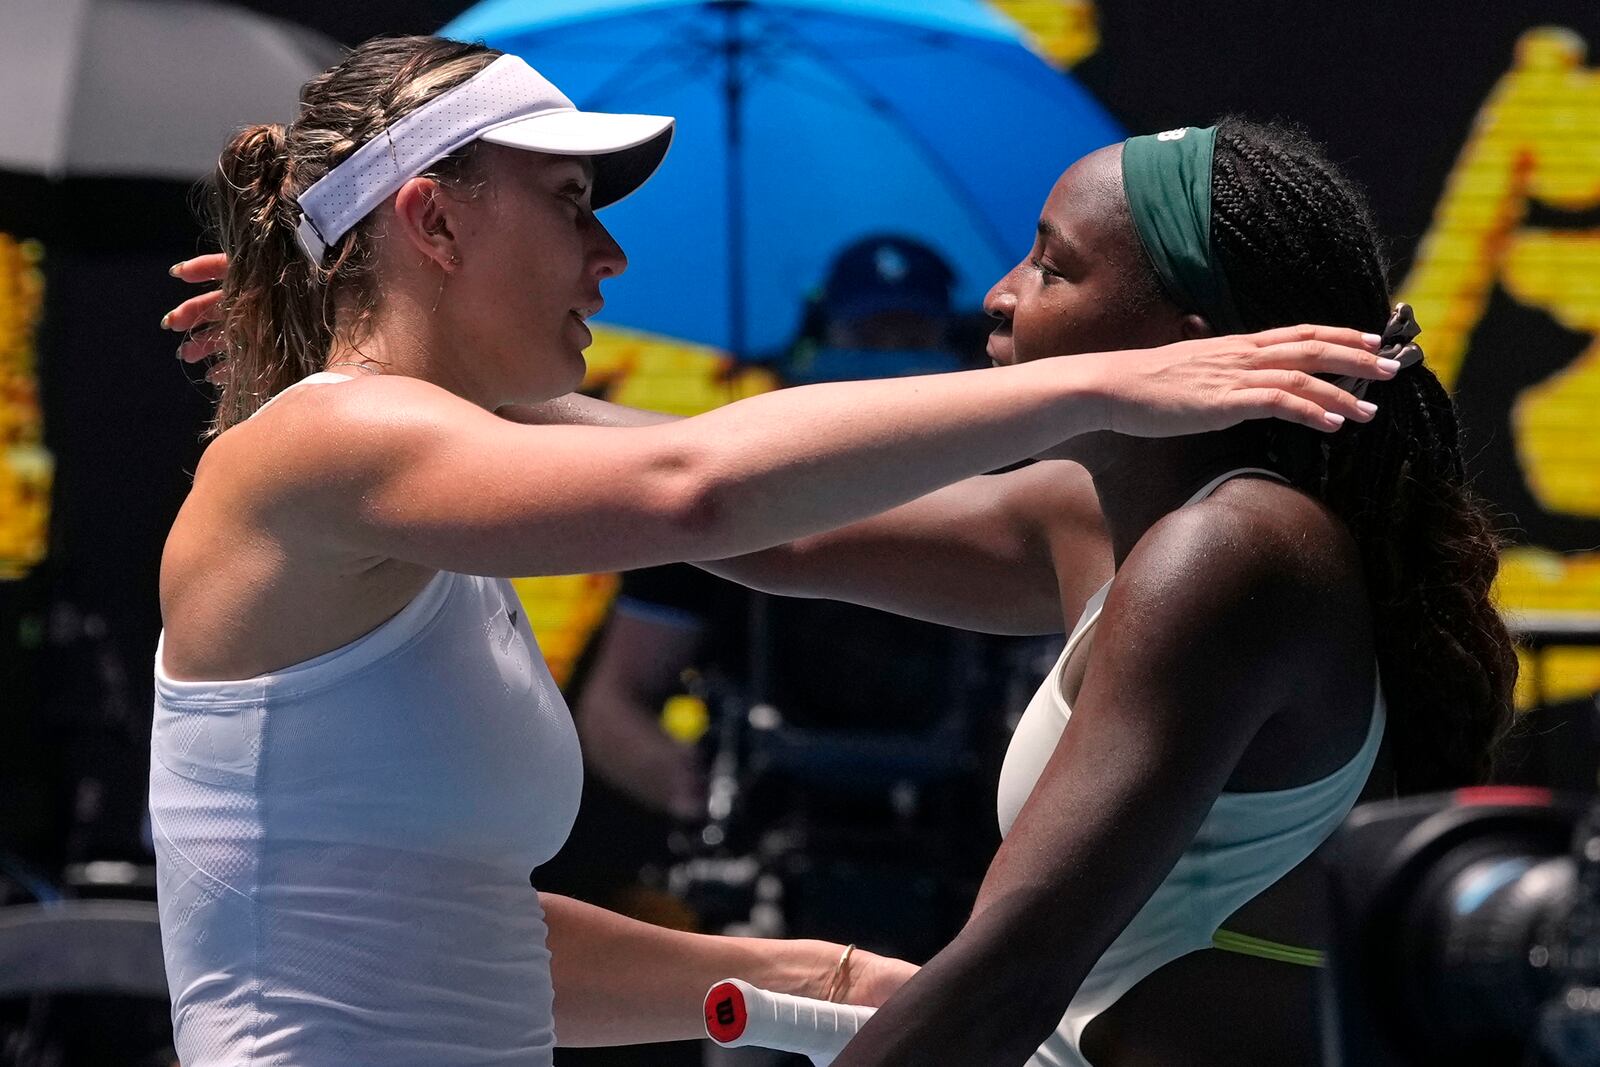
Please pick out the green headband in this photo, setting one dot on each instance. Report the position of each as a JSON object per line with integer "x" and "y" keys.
{"x": 1167, "y": 179}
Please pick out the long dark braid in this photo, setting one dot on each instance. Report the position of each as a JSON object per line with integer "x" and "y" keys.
{"x": 1298, "y": 243}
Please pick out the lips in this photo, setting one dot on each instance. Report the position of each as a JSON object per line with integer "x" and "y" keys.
{"x": 999, "y": 345}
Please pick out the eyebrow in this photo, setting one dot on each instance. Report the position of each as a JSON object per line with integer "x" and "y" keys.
{"x": 1051, "y": 232}
{"x": 584, "y": 168}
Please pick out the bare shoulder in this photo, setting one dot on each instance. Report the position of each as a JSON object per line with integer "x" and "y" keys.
{"x": 321, "y": 440}
{"x": 1254, "y": 532}
{"x": 261, "y": 485}
{"x": 332, "y": 418}
{"x": 259, "y": 571}
{"x": 1257, "y": 566}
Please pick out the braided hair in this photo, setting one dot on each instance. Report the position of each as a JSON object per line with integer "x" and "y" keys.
{"x": 1298, "y": 243}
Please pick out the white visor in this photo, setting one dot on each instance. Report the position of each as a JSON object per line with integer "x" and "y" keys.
{"x": 507, "y": 103}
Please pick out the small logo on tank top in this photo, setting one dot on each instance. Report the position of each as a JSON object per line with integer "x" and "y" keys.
{"x": 515, "y": 653}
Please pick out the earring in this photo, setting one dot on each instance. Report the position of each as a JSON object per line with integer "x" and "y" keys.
{"x": 443, "y": 275}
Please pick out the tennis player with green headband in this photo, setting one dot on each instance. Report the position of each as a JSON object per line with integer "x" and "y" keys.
{"x": 1268, "y": 627}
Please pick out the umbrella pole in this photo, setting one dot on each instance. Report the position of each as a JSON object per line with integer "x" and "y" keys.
{"x": 733, "y": 157}
{"x": 758, "y": 632}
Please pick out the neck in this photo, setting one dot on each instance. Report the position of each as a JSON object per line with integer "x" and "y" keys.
{"x": 1141, "y": 480}
{"x": 409, "y": 338}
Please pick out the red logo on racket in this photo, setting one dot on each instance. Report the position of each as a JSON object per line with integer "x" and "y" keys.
{"x": 725, "y": 1012}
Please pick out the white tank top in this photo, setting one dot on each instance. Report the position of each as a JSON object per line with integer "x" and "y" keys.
{"x": 1247, "y": 842}
{"x": 343, "y": 846}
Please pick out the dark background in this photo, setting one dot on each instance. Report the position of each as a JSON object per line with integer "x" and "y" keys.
{"x": 1391, "y": 88}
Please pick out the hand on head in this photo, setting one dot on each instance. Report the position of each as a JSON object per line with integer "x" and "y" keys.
{"x": 1212, "y": 383}
{"x": 197, "y": 316}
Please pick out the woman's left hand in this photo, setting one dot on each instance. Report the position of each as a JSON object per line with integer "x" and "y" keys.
{"x": 873, "y": 979}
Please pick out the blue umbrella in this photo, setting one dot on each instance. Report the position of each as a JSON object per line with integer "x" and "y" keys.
{"x": 804, "y": 125}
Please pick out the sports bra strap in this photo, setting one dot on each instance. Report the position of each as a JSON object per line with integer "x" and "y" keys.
{"x": 1211, "y": 486}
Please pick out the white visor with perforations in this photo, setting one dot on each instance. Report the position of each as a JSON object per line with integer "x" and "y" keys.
{"x": 507, "y": 103}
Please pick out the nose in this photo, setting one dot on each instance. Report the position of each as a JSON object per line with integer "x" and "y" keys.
{"x": 1000, "y": 302}
{"x": 606, "y": 257}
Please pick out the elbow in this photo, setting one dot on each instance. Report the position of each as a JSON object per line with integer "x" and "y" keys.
{"x": 693, "y": 499}
{"x": 1035, "y": 972}
{"x": 1026, "y": 1006}
{"x": 701, "y": 510}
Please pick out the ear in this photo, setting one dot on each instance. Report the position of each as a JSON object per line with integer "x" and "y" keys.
{"x": 1194, "y": 327}
{"x": 423, "y": 216}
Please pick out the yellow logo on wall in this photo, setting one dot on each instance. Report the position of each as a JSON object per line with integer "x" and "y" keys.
{"x": 25, "y": 467}
{"x": 1066, "y": 32}
{"x": 1534, "y": 151}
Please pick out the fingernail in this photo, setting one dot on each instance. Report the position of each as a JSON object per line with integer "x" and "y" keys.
{"x": 165, "y": 320}
{"x": 180, "y": 352}
{"x": 1373, "y": 340}
{"x": 1389, "y": 366}
{"x": 1366, "y": 407}
{"x": 173, "y": 270}
{"x": 1333, "y": 418}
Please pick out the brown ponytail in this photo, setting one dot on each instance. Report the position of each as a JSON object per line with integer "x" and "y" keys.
{"x": 280, "y": 311}
{"x": 273, "y": 331}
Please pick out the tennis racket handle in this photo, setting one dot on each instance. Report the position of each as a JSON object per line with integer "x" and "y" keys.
{"x": 738, "y": 1013}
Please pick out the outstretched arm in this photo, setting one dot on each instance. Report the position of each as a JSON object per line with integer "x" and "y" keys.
{"x": 994, "y": 553}
{"x": 1008, "y": 553}
{"x": 437, "y": 481}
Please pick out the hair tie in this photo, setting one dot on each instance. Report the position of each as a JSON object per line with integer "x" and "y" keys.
{"x": 1399, "y": 337}
{"x": 1398, "y": 341}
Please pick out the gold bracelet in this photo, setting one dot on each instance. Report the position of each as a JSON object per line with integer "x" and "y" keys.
{"x": 836, "y": 984}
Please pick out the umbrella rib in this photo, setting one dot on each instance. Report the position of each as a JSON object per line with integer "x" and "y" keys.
{"x": 991, "y": 234}
{"x": 677, "y": 56}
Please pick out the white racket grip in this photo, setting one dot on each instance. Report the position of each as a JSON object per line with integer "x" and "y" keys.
{"x": 738, "y": 1013}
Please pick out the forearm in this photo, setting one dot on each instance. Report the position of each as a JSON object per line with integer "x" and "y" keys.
{"x": 795, "y": 462}
{"x": 936, "y": 575}
{"x": 619, "y": 981}
{"x": 991, "y": 996}
{"x": 955, "y": 557}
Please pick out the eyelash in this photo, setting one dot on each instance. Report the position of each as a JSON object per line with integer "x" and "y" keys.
{"x": 1045, "y": 271}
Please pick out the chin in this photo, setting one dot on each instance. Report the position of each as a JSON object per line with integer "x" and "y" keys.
{"x": 553, "y": 381}
{"x": 580, "y": 367}
{"x": 576, "y": 368}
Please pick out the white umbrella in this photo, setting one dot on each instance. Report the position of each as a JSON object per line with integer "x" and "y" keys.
{"x": 142, "y": 88}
